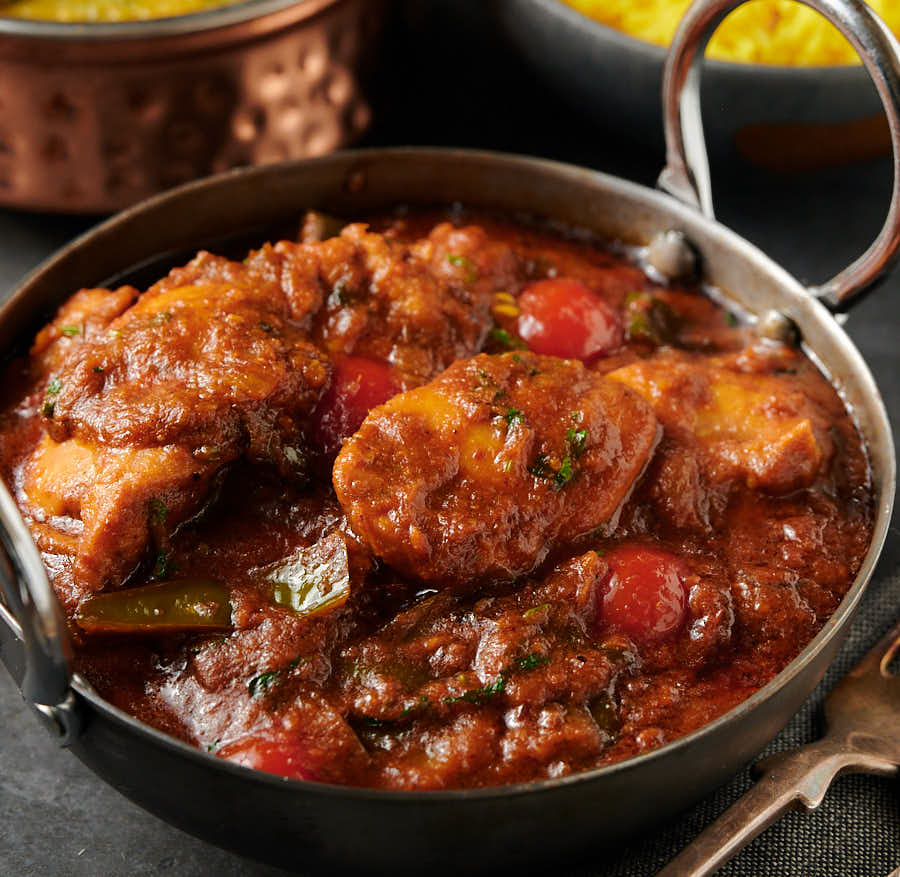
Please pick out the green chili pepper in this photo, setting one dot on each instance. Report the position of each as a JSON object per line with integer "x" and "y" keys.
{"x": 167, "y": 607}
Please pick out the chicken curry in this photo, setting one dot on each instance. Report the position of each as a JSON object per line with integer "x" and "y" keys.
{"x": 432, "y": 501}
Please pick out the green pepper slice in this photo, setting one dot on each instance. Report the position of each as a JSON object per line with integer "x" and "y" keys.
{"x": 312, "y": 580}
{"x": 181, "y": 605}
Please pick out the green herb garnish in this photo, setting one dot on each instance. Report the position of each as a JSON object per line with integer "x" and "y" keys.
{"x": 422, "y": 703}
{"x": 54, "y": 385}
{"x": 161, "y": 317}
{"x": 70, "y": 331}
{"x": 565, "y": 474}
{"x": 98, "y": 369}
{"x": 258, "y": 685}
{"x": 480, "y": 695}
{"x": 158, "y": 512}
{"x": 529, "y": 662}
{"x": 575, "y": 439}
{"x": 463, "y": 262}
{"x": 163, "y": 568}
{"x": 514, "y": 415}
{"x": 505, "y": 339}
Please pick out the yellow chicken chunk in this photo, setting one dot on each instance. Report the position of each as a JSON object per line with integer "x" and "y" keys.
{"x": 753, "y": 427}
{"x": 118, "y": 494}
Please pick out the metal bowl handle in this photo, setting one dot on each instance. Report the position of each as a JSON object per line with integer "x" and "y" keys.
{"x": 38, "y": 616}
{"x": 686, "y": 175}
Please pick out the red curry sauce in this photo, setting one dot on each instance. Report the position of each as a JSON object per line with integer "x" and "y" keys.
{"x": 599, "y": 514}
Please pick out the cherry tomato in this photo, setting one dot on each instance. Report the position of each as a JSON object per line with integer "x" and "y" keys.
{"x": 279, "y": 756}
{"x": 645, "y": 593}
{"x": 357, "y": 386}
{"x": 562, "y": 317}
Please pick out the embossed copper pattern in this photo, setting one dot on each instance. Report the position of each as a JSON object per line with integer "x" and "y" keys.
{"x": 94, "y": 124}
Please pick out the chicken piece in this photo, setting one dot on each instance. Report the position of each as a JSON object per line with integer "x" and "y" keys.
{"x": 758, "y": 428}
{"x": 211, "y": 366}
{"x": 85, "y": 315}
{"x": 420, "y": 306}
{"x": 477, "y": 475}
{"x": 153, "y": 394}
{"x": 144, "y": 408}
{"x": 120, "y": 496}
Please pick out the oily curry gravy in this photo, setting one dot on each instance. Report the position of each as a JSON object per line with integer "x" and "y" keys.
{"x": 431, "y": 502}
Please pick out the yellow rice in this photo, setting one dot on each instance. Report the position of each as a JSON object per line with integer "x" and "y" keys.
{"x": 760, "y": 32}
{"x": 103, "y": 10}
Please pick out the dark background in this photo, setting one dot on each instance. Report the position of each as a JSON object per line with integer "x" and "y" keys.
{"x": 449, "y": 79}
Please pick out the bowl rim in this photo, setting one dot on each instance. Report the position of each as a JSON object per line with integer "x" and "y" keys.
{"x": 234, "y": 13}
{"x": 654, "y": 199}
{"x": 654, "y": 53}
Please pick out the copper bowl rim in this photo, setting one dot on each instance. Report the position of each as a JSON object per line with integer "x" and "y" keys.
{"x": 283, "y": 12}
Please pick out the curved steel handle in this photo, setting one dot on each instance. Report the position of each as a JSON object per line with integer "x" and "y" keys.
{"x": 790, "y": 780}
{"x": 33, "y": 604}
{"x": 686, "y": 175}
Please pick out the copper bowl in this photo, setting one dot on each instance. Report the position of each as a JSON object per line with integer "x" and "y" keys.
{"x": 96, "y": 116}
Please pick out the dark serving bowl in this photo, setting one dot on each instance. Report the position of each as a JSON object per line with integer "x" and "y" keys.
{"x": 783, "y": 118}
{"x": 303, "y": 824}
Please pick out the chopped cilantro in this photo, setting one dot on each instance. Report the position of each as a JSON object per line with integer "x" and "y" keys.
{"x": 161, "y": 317}
{"x": 422, "y": 703}
{"x": 517, "y": 358}
{"x": 565, "y": 474}
{"x": 529, "y": 662}
{"x": 158, "y": 512}
{"x": 70, "y": 331}
{"x": 541, "y": 469}
{"x": 99, "y": 369}
{"x": 510, "y": 342}
{"x": 514, "y": 415}
{"x": 463, "y": 262}
{"x": 259, "y": 684}
{"x": 212, "y": 747}
{"x": 163, "y": 568}
{"x": 480, "y": 695}
{"x": 54, "y": 385}
{"x": 575, "y": 439}
{"x": 731, "y": 319}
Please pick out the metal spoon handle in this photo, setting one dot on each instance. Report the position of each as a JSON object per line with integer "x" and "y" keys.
{"x": 792, "y": 780}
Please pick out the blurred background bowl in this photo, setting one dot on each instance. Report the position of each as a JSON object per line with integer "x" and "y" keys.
{"x": 96, "y": 116}
{"x": 782, "y": 118}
